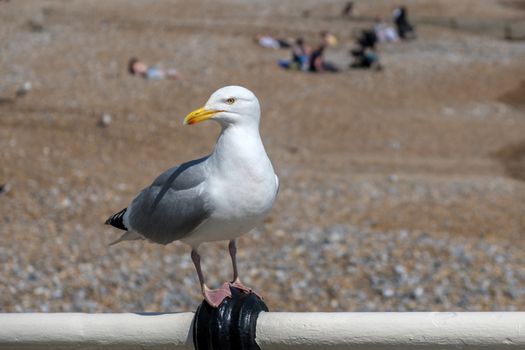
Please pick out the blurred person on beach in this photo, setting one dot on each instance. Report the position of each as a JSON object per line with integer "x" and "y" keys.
{"x": 271, "y": 42}
{"x": 139, "y": 68}
{"x": 317, "y": 62}
{"x": 364, "y": 53}
{"x": 348, "y": 10}
{"x": 365, "y": 58}
{"x": 300, "y": 55}
{"x": 328, "y": 39}
{"x": 384, "y": 32}
{"x": 405, "y": 30}
{"x": 366, "y": 38}
{"x": 306, "y": 59}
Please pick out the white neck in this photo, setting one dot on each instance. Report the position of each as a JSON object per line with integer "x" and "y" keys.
{"x": 240, "y": 148}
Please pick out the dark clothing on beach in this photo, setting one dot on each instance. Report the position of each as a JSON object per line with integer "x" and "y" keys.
{"x": 402, "y": 24}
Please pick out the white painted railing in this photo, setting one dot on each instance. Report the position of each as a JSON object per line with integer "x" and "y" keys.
{"x": 283, "y": 331}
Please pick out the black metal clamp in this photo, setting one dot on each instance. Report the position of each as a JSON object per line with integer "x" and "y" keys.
{"x": 231, "y": 326}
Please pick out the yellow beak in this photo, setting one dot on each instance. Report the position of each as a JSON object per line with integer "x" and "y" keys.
{"x": 199, "y": 115}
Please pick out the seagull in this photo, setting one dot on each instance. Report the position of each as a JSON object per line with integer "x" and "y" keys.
{"x": 215, "y": 198}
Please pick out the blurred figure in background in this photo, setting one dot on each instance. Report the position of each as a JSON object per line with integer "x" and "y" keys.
{"x": 318, "y": 63}
{"x": 4, "y": 188}
{"x": 300, "y": 54}
{"x": 328, "y": 39}
{"x": 348, "y": 10}
{"x": 365, "y": 58}
{"x": 366, "y": 38}
{"x": 304, "y": 59}
{"x": 271, "y": 42}
{"x": 405, "y": 30}
{"x": 24, "y": 89}
{"x": 365, "y": 54}
{"x": 384, "y": 32}
{"x": 139, "y": 68}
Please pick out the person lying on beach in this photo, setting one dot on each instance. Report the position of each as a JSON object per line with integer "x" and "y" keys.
{"x": 271, "y": 42}
{"x": 300, "y": 55}
{"x": 384, "y": 32}
{"x": 139, "y": 68}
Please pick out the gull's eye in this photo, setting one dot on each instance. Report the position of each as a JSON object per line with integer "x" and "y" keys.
{"x": 230, "y": 101}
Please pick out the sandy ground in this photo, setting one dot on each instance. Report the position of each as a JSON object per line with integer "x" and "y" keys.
{"x": 400, "y": 189}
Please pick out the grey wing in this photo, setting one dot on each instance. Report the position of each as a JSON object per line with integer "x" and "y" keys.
{"x": 173, "y": 206}
{"x": 175, "y": 216}
{"x": 183, "y": 176}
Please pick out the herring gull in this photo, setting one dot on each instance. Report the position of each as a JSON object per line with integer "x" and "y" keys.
{"x": 214, "y": 198}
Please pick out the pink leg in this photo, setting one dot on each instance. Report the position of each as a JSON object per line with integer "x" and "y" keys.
{"x": 236, "y": 282}
{"x": 214, "y": 297}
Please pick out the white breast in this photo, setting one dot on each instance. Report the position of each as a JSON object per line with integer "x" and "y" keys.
{"x": 241, "y": 190}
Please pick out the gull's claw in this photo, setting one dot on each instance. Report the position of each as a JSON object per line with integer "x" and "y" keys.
{"x": 238, "y": 284}
{"x": 215, "y": 297}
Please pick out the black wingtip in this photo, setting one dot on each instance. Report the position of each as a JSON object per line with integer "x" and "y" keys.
{"x": 116, "y": 220}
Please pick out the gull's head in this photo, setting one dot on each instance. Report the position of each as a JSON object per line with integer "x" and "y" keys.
{"x": 230, "y": 105}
